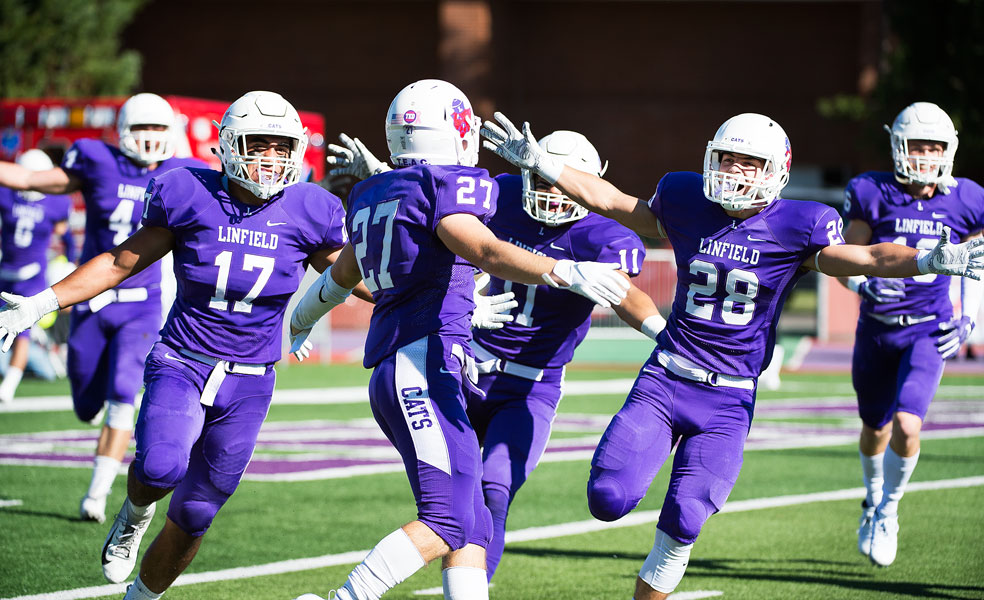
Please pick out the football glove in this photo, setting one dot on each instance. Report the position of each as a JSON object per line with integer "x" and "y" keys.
{"x": 952, "y": 335}
{"x": 520, "y": 149}
{"x": 21, "y": 312}
{"x": 599, "y": 282}
{"x": 491, "y": 312}
{"x": 879, "y": 290}
{"x": 953, "y": 259}
{"x": 354, "y": 159}
{"x": 323, "y": 295}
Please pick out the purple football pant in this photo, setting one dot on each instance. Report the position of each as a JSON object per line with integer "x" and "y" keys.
{"x": 28, "y": 287}
{"x": 711, "y": 424}
{"x": 895, "y": 369}
{"x": 417, "y": 398}
{"x": 513, "y": 424}
{"x": 106, "y": 352}
{"x": 199, "y": 451}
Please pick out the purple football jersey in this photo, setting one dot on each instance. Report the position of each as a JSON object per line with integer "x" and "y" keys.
{"x": 733, "y": 276}
{"x": 113, "y": 187}
{"x": 895, "y": 216}
{"x": 237, "y": 266}
{"x": 419, "y": 286}
{"x": 549, "y": 323}
{"x": 27, "y": 227}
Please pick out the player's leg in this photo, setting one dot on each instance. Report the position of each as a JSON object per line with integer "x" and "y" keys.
{"x": 216, "y": 466}
{"x": 416, "y": 397}
{"x": 714, "y": 423}
{"x": 919, "y": 376}
{"x": 633, "y": 447}
{"x": 15, "y": 369}
{"x": 170, "y": 421}
{"x": 874, "y": 374}
{"x": 516, "y": 424}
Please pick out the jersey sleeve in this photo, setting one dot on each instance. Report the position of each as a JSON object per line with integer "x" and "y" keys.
{"x": 827, "y": 231}
{"x": 324, "y": 222}
{"x": 469, "y": 191}
{"x": 974, "y": 200}
{"x": 76, "y": 160}
{"x": 610, "y": 242}
{"x": 62, "y": 208}
{"x": 155, "y": 211}
{"x": 854, "y": 208}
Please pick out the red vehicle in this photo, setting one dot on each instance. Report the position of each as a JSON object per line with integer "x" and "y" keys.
{"x": 53, "y": 124}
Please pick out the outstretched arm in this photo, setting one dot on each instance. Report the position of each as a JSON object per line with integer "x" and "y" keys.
{"x": 592, "y": 192}
{"x": 639, "y": 311}
{"x": 894, "y": 260}
{"x": 323, "y": 259}
{"x": 52, "y": 181}
{"x": 102, "y": 273}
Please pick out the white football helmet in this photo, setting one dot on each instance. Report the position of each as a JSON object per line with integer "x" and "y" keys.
{"x": 923, "y": 121}
{"x": 753, "y": 135}
{"x": 34, "y": 160}
{"x": 431, "y": 122}
{"x": 267, "y": 114}
{"x": 146, "y": 146}
{"x": 575, "y": 151}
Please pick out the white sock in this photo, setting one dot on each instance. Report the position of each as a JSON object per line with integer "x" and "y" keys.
{"x": 10, "y": 382}
{"x": 667, "y": 561}
{"x": 465, "y": 583}
{"x": 392, "y": 560}
{"x": 138, "y": 591}
{"x": 138, "y": 513}
{"x": 898, "y": 470}
{"x": 104, "y": 471}
{"x": 874, "y": 477}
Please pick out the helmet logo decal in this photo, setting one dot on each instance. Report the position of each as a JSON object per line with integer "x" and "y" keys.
{"x": 462, "y": 117}
{"x": 410, "y": 116}
{"x": 789, "y": 155}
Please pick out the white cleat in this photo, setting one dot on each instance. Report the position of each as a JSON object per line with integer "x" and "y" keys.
{"x": 119, "y": 554}
{"x": 884, "y": 539}
{"x": 93, "y": 509}
{"x": 331, "y": 596}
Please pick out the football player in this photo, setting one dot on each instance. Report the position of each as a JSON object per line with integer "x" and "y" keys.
{"x": 739, "y": 249}
{"x": 111, "y": 334}
{"x": 415, "y": 234}
{"x": 241, "y": 239}
{"x": 29, "y": 220}
{"x": 907, "y": 327}
{"x": 521, "y": 364}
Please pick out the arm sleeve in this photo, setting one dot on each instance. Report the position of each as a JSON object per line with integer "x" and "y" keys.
{"x": 155, "y": 212}
{"x": 76, "y": 160}
{"x": 827, "y": 231}
{"x": 471, "y": 192}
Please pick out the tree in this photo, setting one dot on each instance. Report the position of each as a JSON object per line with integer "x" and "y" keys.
{"x": 933, "y": 53}
{"x": 67, "y": 48}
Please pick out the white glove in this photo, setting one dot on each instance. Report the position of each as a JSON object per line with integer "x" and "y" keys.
{"x": 599, "y": 282}
{"x": 300, "y": 347}
{"x": 21, "y": 312}
{"x": 354, "y": 159}
{"x": 491, "y": 311}
{"x": 953, "y": 259}
{"x": 520, "y": 149}
{"x": 323, "y": 295}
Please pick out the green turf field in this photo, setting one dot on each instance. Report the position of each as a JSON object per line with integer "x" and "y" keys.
{"x": 803, "y": 549}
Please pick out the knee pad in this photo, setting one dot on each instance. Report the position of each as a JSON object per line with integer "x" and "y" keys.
{"x": 194, "y": 517}
{"x": 607, "y": 500}
{"x": 119, "y": 415}
{"x": 667, "y": 561}
{"x": 162, "y": 465}
{"x": 498, "y": 502}
{"x": 683, "y": 518}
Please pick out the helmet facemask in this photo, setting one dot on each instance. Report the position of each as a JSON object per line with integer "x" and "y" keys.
{"x": 738, "y": 191}
{"x": 575, "y": 151}
{"x": 263, "y": 175}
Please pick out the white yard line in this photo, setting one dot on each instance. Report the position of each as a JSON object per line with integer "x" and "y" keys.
{"x": 522, "y": 535}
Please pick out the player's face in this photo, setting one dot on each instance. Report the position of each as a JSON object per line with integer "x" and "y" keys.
{"x": 924, "y": 155}
{"x": 750, "y": 167}
{"x": 551, "y": 206}
{"x": 267, "y": 148}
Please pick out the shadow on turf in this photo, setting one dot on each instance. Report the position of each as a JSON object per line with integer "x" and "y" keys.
{"x": 48, "y": 515}
{"x": 796, "y": 571}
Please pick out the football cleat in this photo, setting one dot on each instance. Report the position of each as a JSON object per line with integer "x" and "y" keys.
{"x": 93, "y": 509}
{"x": 331, "y": 595}
{"x": 864, "y": 529}
{"x": 119, "y": 554}
{"x": 884, "y": 539}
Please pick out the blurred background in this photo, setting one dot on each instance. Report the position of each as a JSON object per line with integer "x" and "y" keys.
{"x": 648, "y": 82}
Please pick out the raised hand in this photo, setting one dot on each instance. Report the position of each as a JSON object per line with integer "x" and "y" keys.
{"x": 599, "y": 282}
{"x": 353, "y": 158}
{"x": 491, "y": 312}
{"x": 964, "y": 260}
{"x": 519, "y": 148}
{"x": 952, "y": 335}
